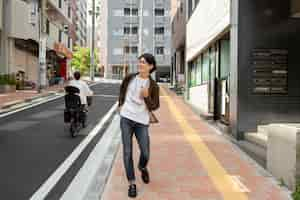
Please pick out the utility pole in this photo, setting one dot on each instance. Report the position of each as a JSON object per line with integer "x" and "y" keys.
{"x": 92, "y": 69}
{"x": 140, "y": 51}
{"x": 41, "y": 83}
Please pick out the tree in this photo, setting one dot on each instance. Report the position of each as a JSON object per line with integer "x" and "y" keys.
{"x": 81, "y": 60}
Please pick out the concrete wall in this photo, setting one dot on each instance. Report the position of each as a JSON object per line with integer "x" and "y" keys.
{"x": 179, "y": 27}
{"x": 26, "y": 62}
{"x": 19, "y": 20}
{"x": 209, "y": 19}
{"x": 265, "y": 24}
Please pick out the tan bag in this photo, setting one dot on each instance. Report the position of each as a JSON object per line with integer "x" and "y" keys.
{"x": 153, "y": 118}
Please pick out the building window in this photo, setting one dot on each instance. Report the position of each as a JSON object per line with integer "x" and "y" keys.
{"x": 126, "y": 50}
{"x": 126, "y": 30}
{"x": 48, "y": 26}
{"x": 69, "y": 42}
{"x": 198, "y": 64}
{"x": 134, "y": 30}
{"x": 135, "y": 12}
{"x": 181, "y": 7}
{"x": 159, "y": 30}
{"x": 159, "y": 50}
{"x": 134, "y": 50}
{"x": 159, "y": 12}
{"x": 127, "y": 11}
{"x": 60, "y": 36}
{"x": 190, "y": 5}
{"x": 205, "y": 67}
{"x": 130, "y": 50}
{"x": 69, "y": 11}
{"x": 60, "y": 3}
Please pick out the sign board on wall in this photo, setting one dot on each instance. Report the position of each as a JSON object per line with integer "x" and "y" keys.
{"x": 270, "y": 71}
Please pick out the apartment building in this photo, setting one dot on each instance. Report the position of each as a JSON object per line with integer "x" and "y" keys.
{"x": 126, "y": 33}
{"x": 81, "y": 22}
{"x": 242, "y": 62}
{"x": 20, "y": 39}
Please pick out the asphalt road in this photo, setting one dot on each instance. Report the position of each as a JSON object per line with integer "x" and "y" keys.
{"x": 34, "y": 142}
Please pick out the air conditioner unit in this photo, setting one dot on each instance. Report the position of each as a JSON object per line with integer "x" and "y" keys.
{"x": 66, "y": 29}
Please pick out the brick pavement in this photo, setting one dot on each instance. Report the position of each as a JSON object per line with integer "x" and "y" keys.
{"x": 20, "y": 95}
{"x": 191, "y": 161}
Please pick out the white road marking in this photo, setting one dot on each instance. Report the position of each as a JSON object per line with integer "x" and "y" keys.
{"x": 43, "y": 191}
{"x": 238, "y": 185}
{"x": 103, "y": 95}
{"x": 30, "y": 106}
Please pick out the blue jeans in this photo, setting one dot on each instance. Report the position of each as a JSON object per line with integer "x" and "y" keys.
{"x": 128, "y": 128}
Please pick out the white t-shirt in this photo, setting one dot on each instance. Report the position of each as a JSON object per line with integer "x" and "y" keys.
{"x": 84, "y": 90}
{"x": 134, "y": 107}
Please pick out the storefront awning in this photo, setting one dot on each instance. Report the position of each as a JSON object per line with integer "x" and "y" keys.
{"x": 59, "y": 48}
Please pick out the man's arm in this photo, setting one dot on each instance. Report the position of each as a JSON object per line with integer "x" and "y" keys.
{"x": 88, "y": 91}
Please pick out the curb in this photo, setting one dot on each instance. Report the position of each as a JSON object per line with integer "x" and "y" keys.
{"x": 96, "y": 169}
{"x": 14, "y": 105}
{"x": 19, "y": 104}
{"x": 50, "y": 183}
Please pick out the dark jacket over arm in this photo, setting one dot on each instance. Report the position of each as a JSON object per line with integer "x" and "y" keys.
{"x": 152, "y": 101}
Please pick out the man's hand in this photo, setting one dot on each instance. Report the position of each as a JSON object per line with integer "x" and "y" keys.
{"x": 144, "y": 92}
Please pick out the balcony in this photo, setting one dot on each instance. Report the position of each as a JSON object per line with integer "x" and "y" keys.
{"x": 131, "y": 38}
{"x": 162, "y": 19}
{"x": 132, "y": 2}
{"x": 159, "y": 3}
{"x": 159, "y": 38}
{"x": 56, "y": 13}
{"x": 131, "y": 19}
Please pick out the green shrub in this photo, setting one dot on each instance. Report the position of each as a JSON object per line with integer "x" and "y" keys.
{"x": 296, "y": 193}
{"x": 7, "y": 79}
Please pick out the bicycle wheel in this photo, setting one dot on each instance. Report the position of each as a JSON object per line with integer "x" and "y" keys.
{"x": 73, "y": 128}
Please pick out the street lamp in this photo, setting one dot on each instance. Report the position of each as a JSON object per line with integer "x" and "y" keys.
{"x": 95, "y": 12}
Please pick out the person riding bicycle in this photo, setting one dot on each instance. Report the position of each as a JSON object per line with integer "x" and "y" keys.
{"x": 85, "y": 91}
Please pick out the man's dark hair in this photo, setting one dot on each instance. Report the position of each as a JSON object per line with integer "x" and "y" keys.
{"x": 150, "y": 59}
{"x": 77, "y": 75}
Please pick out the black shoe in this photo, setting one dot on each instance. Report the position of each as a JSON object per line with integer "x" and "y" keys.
{"x": 132, "y": 191}
{"x": 145, "y": 175}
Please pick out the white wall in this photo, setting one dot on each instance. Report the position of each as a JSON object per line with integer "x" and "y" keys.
{"x": 20, "y": 21}
{"x": 210, "y": 18}
{"x": 199, "y": 97}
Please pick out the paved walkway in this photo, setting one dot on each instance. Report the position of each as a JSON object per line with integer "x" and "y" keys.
{"x": 21, "y": 95}
{"x": 190, "y": 160}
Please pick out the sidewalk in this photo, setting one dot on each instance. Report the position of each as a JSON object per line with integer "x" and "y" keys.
{"x": 8, "y": 99}
{"x": 190, "y": 160}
